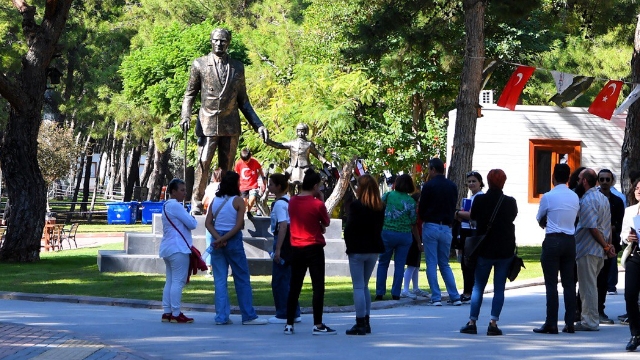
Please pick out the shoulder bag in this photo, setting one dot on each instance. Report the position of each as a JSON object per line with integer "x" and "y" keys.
{"x": 515, "y": 266}
{"x": 472, "y": 243}
{"x": 195, "y": 258}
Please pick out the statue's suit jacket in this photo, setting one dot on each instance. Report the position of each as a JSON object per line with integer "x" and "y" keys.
{"x": 218, "y": 115}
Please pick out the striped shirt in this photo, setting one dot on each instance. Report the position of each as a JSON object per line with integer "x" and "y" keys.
{"x": 594, "y": 214}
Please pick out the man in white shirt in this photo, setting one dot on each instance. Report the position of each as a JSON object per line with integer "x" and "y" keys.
{"x": 557, "y": 215}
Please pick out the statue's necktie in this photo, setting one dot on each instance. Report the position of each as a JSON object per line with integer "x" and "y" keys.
{"x": 222, "y": 72}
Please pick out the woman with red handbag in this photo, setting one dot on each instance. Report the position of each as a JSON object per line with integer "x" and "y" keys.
{"x": 175, "y": 249}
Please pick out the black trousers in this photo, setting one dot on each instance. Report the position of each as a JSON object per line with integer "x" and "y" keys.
{"x": 603, "y": 283}
{"x": 631, "y": 289}
{"x": 468, "y": 269}
{"x": 303, "y": 258}
{"x": 559, "y": 254}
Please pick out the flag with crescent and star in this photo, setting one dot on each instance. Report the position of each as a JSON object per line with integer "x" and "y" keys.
{"x": 635, "y": 94}
{"x": 515, "y": 85}
{"x": 605, "y": 103}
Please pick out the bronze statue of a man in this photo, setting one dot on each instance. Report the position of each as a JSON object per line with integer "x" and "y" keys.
{"x": 299, "y": 151}
{"x": 221, "y": 83}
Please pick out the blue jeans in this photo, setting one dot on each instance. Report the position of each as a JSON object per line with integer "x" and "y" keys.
{"x": 361, "y": 267}
{"x": 232, "y": 254}
{"x": 280, "y": 279}
{"x": 206, "y": 257}
{"x": 436, "y": 239}
{"x": 483, "y": 269}
{"x": 400, "y": 242}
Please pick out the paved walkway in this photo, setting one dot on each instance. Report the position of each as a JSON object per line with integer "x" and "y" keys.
{"x": 34, "y": 326}
{"x": 62, "y": 330}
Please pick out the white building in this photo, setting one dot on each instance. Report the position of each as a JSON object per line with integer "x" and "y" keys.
{"x": 528, "y": 142}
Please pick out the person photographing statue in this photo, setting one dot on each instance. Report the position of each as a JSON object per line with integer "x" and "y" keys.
{"x": 221, "y": 83}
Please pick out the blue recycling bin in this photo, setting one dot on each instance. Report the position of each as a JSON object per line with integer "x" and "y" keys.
{"x": 122, "y": 212}
{"x": 149, "y": 208}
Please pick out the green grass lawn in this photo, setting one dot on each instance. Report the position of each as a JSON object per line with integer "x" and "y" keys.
{"x": 75, "y": 272}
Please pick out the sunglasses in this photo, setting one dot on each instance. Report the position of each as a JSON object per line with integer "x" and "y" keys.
{"x": 602, "y": 180}
{"x": 472, "y": 173}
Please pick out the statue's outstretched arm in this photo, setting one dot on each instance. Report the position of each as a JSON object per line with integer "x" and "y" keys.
{"x": 277, "y": 145}
{"x": 317, "y": 154}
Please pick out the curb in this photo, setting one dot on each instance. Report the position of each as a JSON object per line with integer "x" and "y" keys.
{"x": 261, "y": 310}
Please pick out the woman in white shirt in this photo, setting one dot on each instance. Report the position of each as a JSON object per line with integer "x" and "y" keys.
{"x": 632, "y": 268}
{"x": 175, "y": 249}
{"x": 467, "y": 228}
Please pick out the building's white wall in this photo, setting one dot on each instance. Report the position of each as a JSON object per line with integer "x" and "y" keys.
{"x": 502, "y": 141}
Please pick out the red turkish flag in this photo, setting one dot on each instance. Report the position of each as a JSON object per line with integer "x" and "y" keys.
{"x": 513, "y": 89}
{"x": 605, "y": 103}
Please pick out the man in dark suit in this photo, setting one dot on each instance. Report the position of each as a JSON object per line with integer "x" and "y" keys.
{"x": 220, "y": 81}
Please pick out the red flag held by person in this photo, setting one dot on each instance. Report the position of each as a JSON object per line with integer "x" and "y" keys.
{"x": 513, "y": 89}
{"x": 605, "y": 103}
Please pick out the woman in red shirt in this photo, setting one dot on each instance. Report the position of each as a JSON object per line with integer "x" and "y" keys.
{"x": 308, "y": 221}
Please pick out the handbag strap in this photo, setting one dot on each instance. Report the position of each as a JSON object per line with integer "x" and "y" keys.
{"x": 226, "y": 198}
{"x": 495, "y": 212}
{"x": 164, "y": 210}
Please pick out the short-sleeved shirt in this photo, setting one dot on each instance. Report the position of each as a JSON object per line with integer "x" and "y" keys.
{"x": 594, "y": 213}
{"x": 279, "y": 213}
{"x": 249, "y": 173}
{"x": 400, "y": 211}
{"x": 307, "y": 216}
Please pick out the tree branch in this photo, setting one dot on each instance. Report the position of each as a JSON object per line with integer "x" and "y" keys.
{"x": 12, "y": 93}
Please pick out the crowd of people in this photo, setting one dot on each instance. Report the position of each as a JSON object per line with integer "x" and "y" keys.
{"x": 585, "y": 221}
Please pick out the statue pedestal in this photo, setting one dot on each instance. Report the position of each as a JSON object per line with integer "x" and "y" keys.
{"x": 140, "y": 252}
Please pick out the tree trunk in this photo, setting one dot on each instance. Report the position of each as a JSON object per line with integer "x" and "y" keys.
{"x": 19, "y": 148}
{"x": 87, "y": 174}
{"x": 341, "y": 186}
{"x": 76, "y": 190}
{"x": 123, "y": 158}
{"x": 159, "y": 173}
{"x": 134, "y": 172}
{"x": 111, "y": 188}
{"x": 25, "y": 185}
{"x": 148, "y": 164}
{"x": 630, "y": 159}
{"x": 467, "y": 102}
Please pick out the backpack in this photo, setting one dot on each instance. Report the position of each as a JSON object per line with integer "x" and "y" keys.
{"x": 285, "y": 249}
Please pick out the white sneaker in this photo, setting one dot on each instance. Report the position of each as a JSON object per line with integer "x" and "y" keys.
{"x": 614, "y": 292}
{"x": 256, "y": 321}
{"x": 228, "y": 322}
{"x": 454, "y": 303}
{"x": 420, "y": 292}
{"x": 435, "y": 303}
{"x": 275, "y": 320}
{"x": 410, "y": 295}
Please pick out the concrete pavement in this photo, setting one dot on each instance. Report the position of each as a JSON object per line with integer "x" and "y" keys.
{"x": 408, "y": 329}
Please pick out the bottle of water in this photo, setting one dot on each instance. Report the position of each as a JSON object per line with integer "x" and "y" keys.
{"x": 272, "y": 254}
{"x": 210, "y": 249}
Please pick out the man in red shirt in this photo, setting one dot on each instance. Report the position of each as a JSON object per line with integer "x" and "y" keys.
{"x": 249, "y": 169}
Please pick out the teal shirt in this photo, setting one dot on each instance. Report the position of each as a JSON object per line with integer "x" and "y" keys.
{"x": 400, "y": 211}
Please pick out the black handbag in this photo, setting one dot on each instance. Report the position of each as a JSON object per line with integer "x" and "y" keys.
{"x": 516, "y": 265}
{"x": 472, "y": 243}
